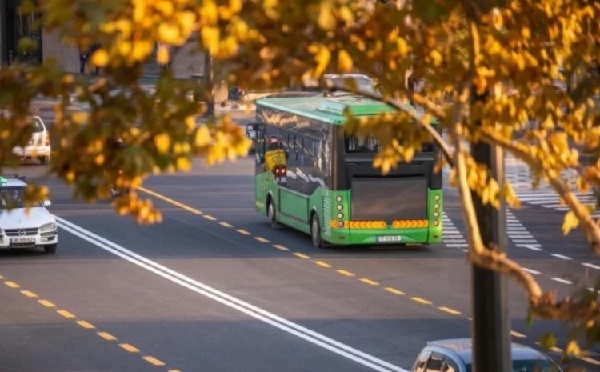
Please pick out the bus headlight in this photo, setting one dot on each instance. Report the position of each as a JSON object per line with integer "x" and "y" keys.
{"x": 436, "y": 197}
{"x": 340, "y": 216}
{"x": 339, "y": 198}
{"x": 340, "y": 207}
{"x": 436, "y": 222}
{"x": 436, "y": 206}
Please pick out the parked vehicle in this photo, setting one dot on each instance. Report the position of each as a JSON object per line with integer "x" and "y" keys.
{"x": 38, "y": 147}
{"x": 456, "y": 355}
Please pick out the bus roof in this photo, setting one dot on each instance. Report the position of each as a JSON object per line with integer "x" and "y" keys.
{"x": 331, "y": 109}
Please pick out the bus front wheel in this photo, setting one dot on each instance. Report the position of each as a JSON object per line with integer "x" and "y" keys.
{"x": 272, "y": 212}
{"x": 315, "y": 232}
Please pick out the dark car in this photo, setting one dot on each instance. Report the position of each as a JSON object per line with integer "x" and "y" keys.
{"x": 455, "y": 355}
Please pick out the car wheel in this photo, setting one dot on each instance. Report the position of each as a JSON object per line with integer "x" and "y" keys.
{"x": 272, "y": 212}
{"x": 315, "y": 232}
{"x": 50, "y": 249}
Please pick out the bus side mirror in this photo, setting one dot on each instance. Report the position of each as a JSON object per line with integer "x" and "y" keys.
{"x": 255, "y": 130}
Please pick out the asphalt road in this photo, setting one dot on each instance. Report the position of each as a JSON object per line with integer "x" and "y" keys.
{"x": 214, "y": 288}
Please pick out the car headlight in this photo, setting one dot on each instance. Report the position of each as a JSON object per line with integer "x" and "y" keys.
{"x": 48, "y": 227}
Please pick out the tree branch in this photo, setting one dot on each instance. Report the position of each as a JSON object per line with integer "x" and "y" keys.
{"x": 591, "y": 229}
{"x": 437, "y": 112}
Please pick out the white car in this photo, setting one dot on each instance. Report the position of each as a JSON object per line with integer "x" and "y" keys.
{"x": 38, "y": 146}
{"x": 22, "y": 228}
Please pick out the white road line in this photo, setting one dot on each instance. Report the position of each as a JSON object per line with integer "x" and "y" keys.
{"x": 451, "y": 237}
{"x": 561, "y": 280}
{"x": 533, "y": 247}
{"x": 230, "y": 301}
{"x": 587, "y": 264}
{"x": 534, "y": 272}
{"x": 561, "y": 256}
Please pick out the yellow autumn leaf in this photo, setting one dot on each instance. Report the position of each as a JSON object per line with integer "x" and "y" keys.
{"x": 570, "y": 222}
{"x": 100, "y": 58}
{"x": 162, "y": 142}
{"x": 162, "y": 55}
{"x": 345, "y": 63}
{"x": 326, "y": 20}
{"x": 202, "y": 137}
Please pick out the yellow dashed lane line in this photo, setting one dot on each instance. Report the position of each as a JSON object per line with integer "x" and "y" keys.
{"x": 369, "y": 281}
{"x": 152, "y": 360}
{"x": 343, "y": 272}
{"x": 129, "y": 347}
{"x": 66, "y": 314}
{"x": 421, "y": 300}
{"x": 87, "y": 325}
{"x": 46, "y": 303}
{"x": 29, "y": 294}
{"x": 107, "y": 336}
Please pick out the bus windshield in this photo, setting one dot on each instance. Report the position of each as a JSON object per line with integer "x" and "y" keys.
{"x": 370, "y": 145}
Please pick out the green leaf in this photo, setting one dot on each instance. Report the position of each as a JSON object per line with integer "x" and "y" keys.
{"x": 547, "y": 341}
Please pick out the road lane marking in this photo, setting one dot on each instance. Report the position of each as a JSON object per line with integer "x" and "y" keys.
{"x": 129, "y": 347}
{"x": 230, "y": 301}
{"x": 169, "y": 200}
{"x": 451, "y": 236}
{"x": 209, "y": 217}
{"x": 449, "y": 310}
{"x": 155, "y": 362}
{"x": 421, "y": 300}
{"x": 301, "y": 255}
{"x": 591, "y": 266}
{"x": 394, "y": 291}
{"x": 322, "y": 264}
{"x": 66, "y": 314}
{"x": 107, "y": 336}
{"x": 345, "y": 272}
{"x": 281, "y": 247}
{"x": 561, "y": 256}
{"x": 225, "y": 224}
{"x": 517, "y": 334}
{"x": 69, "y": 315}
{"x": 519, "y": 231}
{"x": 29, "y": 294}
{"x": 46, "y": 303}
{"x": 86, "y": 325}
{"x": 369, "y": 281}
{"x": 561, "y": 280}
{"x": 243, "y": 232}
{"x": 534, "y": 272}
{"x": 261, "y": 239}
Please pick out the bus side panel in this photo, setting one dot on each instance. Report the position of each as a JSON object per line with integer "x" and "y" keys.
{"x": 260, "y": 191}
{"x": 293, "y": 205}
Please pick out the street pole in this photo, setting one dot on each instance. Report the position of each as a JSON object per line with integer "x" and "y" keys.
{"x": 209, "y": 84}
{"x": 491, "y": 328}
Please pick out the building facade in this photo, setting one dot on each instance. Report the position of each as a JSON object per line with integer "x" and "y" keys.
{"x": 188, "y": 60}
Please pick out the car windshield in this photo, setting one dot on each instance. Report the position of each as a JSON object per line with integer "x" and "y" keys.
{"x": 12, "y": 197}
{"x": 536, "y": 365}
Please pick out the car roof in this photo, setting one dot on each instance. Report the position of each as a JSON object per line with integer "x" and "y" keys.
{"x": 463, "y": 348}
{"x": 12, "y": 181}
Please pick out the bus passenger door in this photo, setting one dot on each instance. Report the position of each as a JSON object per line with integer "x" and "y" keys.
{"x": 257, "y": 133}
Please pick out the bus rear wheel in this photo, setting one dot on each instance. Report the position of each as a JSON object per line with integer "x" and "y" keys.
{"x": 315, "y": 232}
{"x": 272, "y": 212}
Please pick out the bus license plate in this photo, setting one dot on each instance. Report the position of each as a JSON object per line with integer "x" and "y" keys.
{"x": 23, "y": 240}
{"x": 389, "y": 239}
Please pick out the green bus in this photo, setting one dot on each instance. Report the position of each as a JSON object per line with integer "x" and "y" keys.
{"x": 312, "y": 176}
